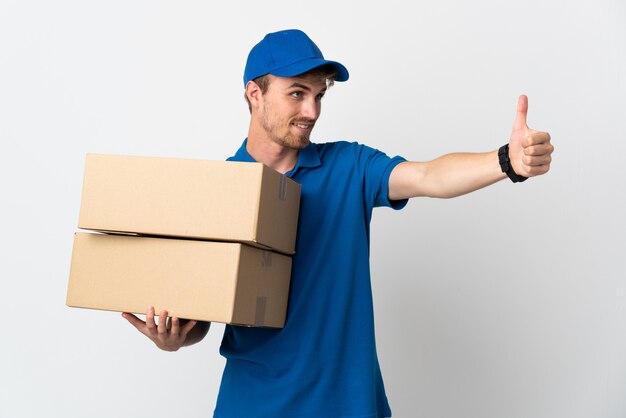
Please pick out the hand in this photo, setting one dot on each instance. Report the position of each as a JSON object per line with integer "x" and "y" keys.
{"x": 530, "y": 151}
{"x": 168, "y": 335}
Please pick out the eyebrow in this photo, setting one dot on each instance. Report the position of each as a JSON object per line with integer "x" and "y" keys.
{"x": 301, "y": 86}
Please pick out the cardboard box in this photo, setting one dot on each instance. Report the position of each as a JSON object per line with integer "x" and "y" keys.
{"x": 209, "y": 281}
{"x": 212, "y": 200}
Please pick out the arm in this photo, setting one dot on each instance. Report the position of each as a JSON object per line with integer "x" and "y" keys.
{"x": 171, "y": 333}
{"x": 456, "y": 174}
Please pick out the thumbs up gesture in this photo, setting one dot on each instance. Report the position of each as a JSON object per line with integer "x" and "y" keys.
{"x": 530, "y": 151}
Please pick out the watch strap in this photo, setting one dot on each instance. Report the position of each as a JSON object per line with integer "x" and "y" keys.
{"x": 505, "y": 165}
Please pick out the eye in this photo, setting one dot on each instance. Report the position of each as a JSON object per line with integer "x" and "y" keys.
{"x": 296, "y": 94}
{"x": 320, "y": 96}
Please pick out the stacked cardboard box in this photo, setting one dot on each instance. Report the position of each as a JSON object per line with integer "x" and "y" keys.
{"x": 205, "y": 240}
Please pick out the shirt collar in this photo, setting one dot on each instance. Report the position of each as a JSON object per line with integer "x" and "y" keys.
{"x": 307, "y": 157}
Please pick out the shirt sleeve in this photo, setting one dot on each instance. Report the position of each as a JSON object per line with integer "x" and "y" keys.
{"x": 377, "y": 167}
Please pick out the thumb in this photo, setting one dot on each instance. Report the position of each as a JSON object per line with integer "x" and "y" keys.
{"x": 187, "y": 327}
{"x": 522, "y": 110}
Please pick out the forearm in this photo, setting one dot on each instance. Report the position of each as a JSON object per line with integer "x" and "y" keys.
{"x": 530, "y": 154}
{"x": 448, "y": 176}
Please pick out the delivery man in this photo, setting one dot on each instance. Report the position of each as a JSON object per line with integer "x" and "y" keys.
{"x": 323, "y": 363}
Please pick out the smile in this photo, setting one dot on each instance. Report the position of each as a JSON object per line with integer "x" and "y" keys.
{"x": 305, "y": 126}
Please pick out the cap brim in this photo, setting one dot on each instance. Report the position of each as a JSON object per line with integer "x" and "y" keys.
{"x": 308, "y": 64}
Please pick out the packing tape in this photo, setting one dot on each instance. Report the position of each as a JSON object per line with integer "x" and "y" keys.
{"x": 259, "y": 315}
{"x": 266, "y": 259}
{"x": 282, "y": 189}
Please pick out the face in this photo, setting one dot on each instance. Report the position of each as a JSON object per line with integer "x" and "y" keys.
{"x": 289, "y": 109}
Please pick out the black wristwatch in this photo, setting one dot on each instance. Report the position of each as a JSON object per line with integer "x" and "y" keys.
{"x": 505, "y": 165}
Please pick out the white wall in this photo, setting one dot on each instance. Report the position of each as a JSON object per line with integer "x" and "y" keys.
{"x": 509, "y": 302}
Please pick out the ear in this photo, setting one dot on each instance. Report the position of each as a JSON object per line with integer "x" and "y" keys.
{"x": 253, "y": 93}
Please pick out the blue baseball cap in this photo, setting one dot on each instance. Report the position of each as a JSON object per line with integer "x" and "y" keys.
{"x": 287, "y": 53}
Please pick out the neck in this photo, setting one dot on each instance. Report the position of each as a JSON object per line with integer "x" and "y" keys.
{"x": 270, "y": 153}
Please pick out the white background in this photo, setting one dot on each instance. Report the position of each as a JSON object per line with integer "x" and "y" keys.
{"x": 510, "y": 302}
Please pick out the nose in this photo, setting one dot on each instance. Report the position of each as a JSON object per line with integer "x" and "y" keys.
{"x": 311, "y": 109}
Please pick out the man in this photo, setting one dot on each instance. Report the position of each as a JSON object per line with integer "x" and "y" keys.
{"x": 323, "y": 363}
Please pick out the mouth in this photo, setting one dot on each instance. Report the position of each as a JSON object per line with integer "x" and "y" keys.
{"x": 303, "y": 126}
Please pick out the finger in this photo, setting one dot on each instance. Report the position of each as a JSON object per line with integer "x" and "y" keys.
{"x": 162, "y": 327}
{"x": 540, "y": 149}
{"x": 522, "y": 110}
{"x": 535, "y": 161}
{"x": 134, "y": 321}
{"x": 188, "y": 327}
{"x": 536, "y": 138}
{"x": 536, "y": 170}
{"x": 175, "y": 322}
{"x": 150, "y": 325}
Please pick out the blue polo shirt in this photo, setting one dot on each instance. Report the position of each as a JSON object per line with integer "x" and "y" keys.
{"x": 323, "y": 363}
